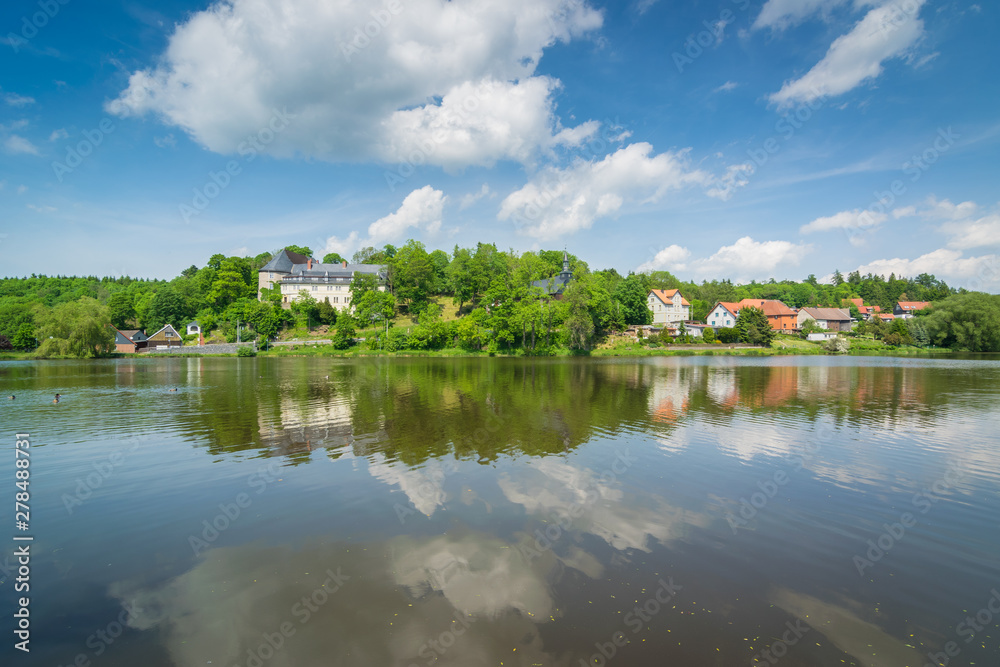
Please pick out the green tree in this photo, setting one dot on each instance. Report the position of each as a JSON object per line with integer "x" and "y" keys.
{"x": 326, "y": 313}
{"x": 459, "y": 275}
{"x": 122, "y": 308}
{"x": 374, "y": 306}
{"x": 968, "y": 321}
{"x": 412, "y": 276}
{"x": 78, "y": 328}
{"x": 708, "y": 335}
{"x": 344, "y": 336}
{"x": 631, "y": 293}
{"x": 167, "y": 307}
{"x": 24, "y": 338}
{"x": 753, "y": 327}
{"x": 229, "y": 285}
{"x": 333, "y": 258}
{"x": 579, "y": 323}
{"x": 300, "y": 249}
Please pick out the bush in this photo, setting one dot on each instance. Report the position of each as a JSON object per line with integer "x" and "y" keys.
{"x": 708, "y": 335}
{"x": 838, "y": 345}
{"x": 5, "y": 343}
{"x": 344, "y": 338}
{"x": 246, "y": 351}
{"x": 728, "y": 335}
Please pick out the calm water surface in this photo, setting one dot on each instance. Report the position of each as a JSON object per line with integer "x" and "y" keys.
{"x": 700, "y": 511}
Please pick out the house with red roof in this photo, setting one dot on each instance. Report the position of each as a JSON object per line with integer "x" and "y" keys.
{"x": 668, "y": 306}
{"x": 906, "y": 309}
{"x": 780, "y": 316}
{"x": 866, "y": 311}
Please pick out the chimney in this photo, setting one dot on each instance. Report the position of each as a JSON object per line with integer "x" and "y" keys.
{"x": 345, "y": 263}
{"x": 309, "y": 264}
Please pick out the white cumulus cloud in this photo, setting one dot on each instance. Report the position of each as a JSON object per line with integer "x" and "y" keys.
{"x": 562, "y": 201}
{"x": 365, "y": 81}
{"x": 744, "y": 260}
{"x": 888, "y": 31}
{"x": 976, "y": 273}
{"x": 422, "y": 209}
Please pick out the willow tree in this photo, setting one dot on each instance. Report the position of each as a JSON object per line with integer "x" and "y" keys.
{"x": 75, "y": 329}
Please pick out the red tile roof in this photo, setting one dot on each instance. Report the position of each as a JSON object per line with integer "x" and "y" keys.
{"x": 770, "y": 307}
{"x": 667, "y": 296}
{"x": 913, "y": 305}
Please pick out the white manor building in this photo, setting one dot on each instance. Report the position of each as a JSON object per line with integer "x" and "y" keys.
{"x": 293, "y": 273}
{"x": 668, "y": 307}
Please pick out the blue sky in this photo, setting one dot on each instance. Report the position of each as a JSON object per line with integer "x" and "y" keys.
{"x": 729, "y": 139}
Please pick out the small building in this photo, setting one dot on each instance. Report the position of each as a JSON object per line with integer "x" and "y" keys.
{"x": 668, "y": 306}
{"x": 696, "y": 329}
{"x": 556, "y": 285}
{"x": 193, "y": 328}
{"x": 833, "y": 319}
{"x": 165, "y": 337}
{"x": 129, "y": 341}
{"x": 906, "y": 309}
{"x": 821, "y": 336}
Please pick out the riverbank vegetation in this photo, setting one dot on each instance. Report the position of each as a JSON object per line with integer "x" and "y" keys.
{"x": 470, "y": 301}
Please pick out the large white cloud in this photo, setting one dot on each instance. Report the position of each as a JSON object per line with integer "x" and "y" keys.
{"x": 421, "y": 210}
{"x": 363, "y": 81}
{"x": 562, "y": 201}
{"x": 976, "y": 273}
{"x": 742, "y": 261}
{"x": 888, "y": 31}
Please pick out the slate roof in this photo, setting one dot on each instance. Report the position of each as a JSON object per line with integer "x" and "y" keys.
{"x": 834, "y": 314}
{"x": 284, "y": 261}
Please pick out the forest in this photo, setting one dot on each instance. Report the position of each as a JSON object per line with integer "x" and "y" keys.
{"x": 471, "y": 298}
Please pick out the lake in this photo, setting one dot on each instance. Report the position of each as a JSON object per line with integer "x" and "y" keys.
{"x": 408, "y": 512}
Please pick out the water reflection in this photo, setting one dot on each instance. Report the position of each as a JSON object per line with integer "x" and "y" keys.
{"x": 512, "y": 511}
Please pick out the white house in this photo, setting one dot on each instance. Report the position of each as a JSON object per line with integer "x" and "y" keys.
{"x": 193, "y": 328}
{"x": 668, "y": 306}
{"x": 723, "y": 315}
